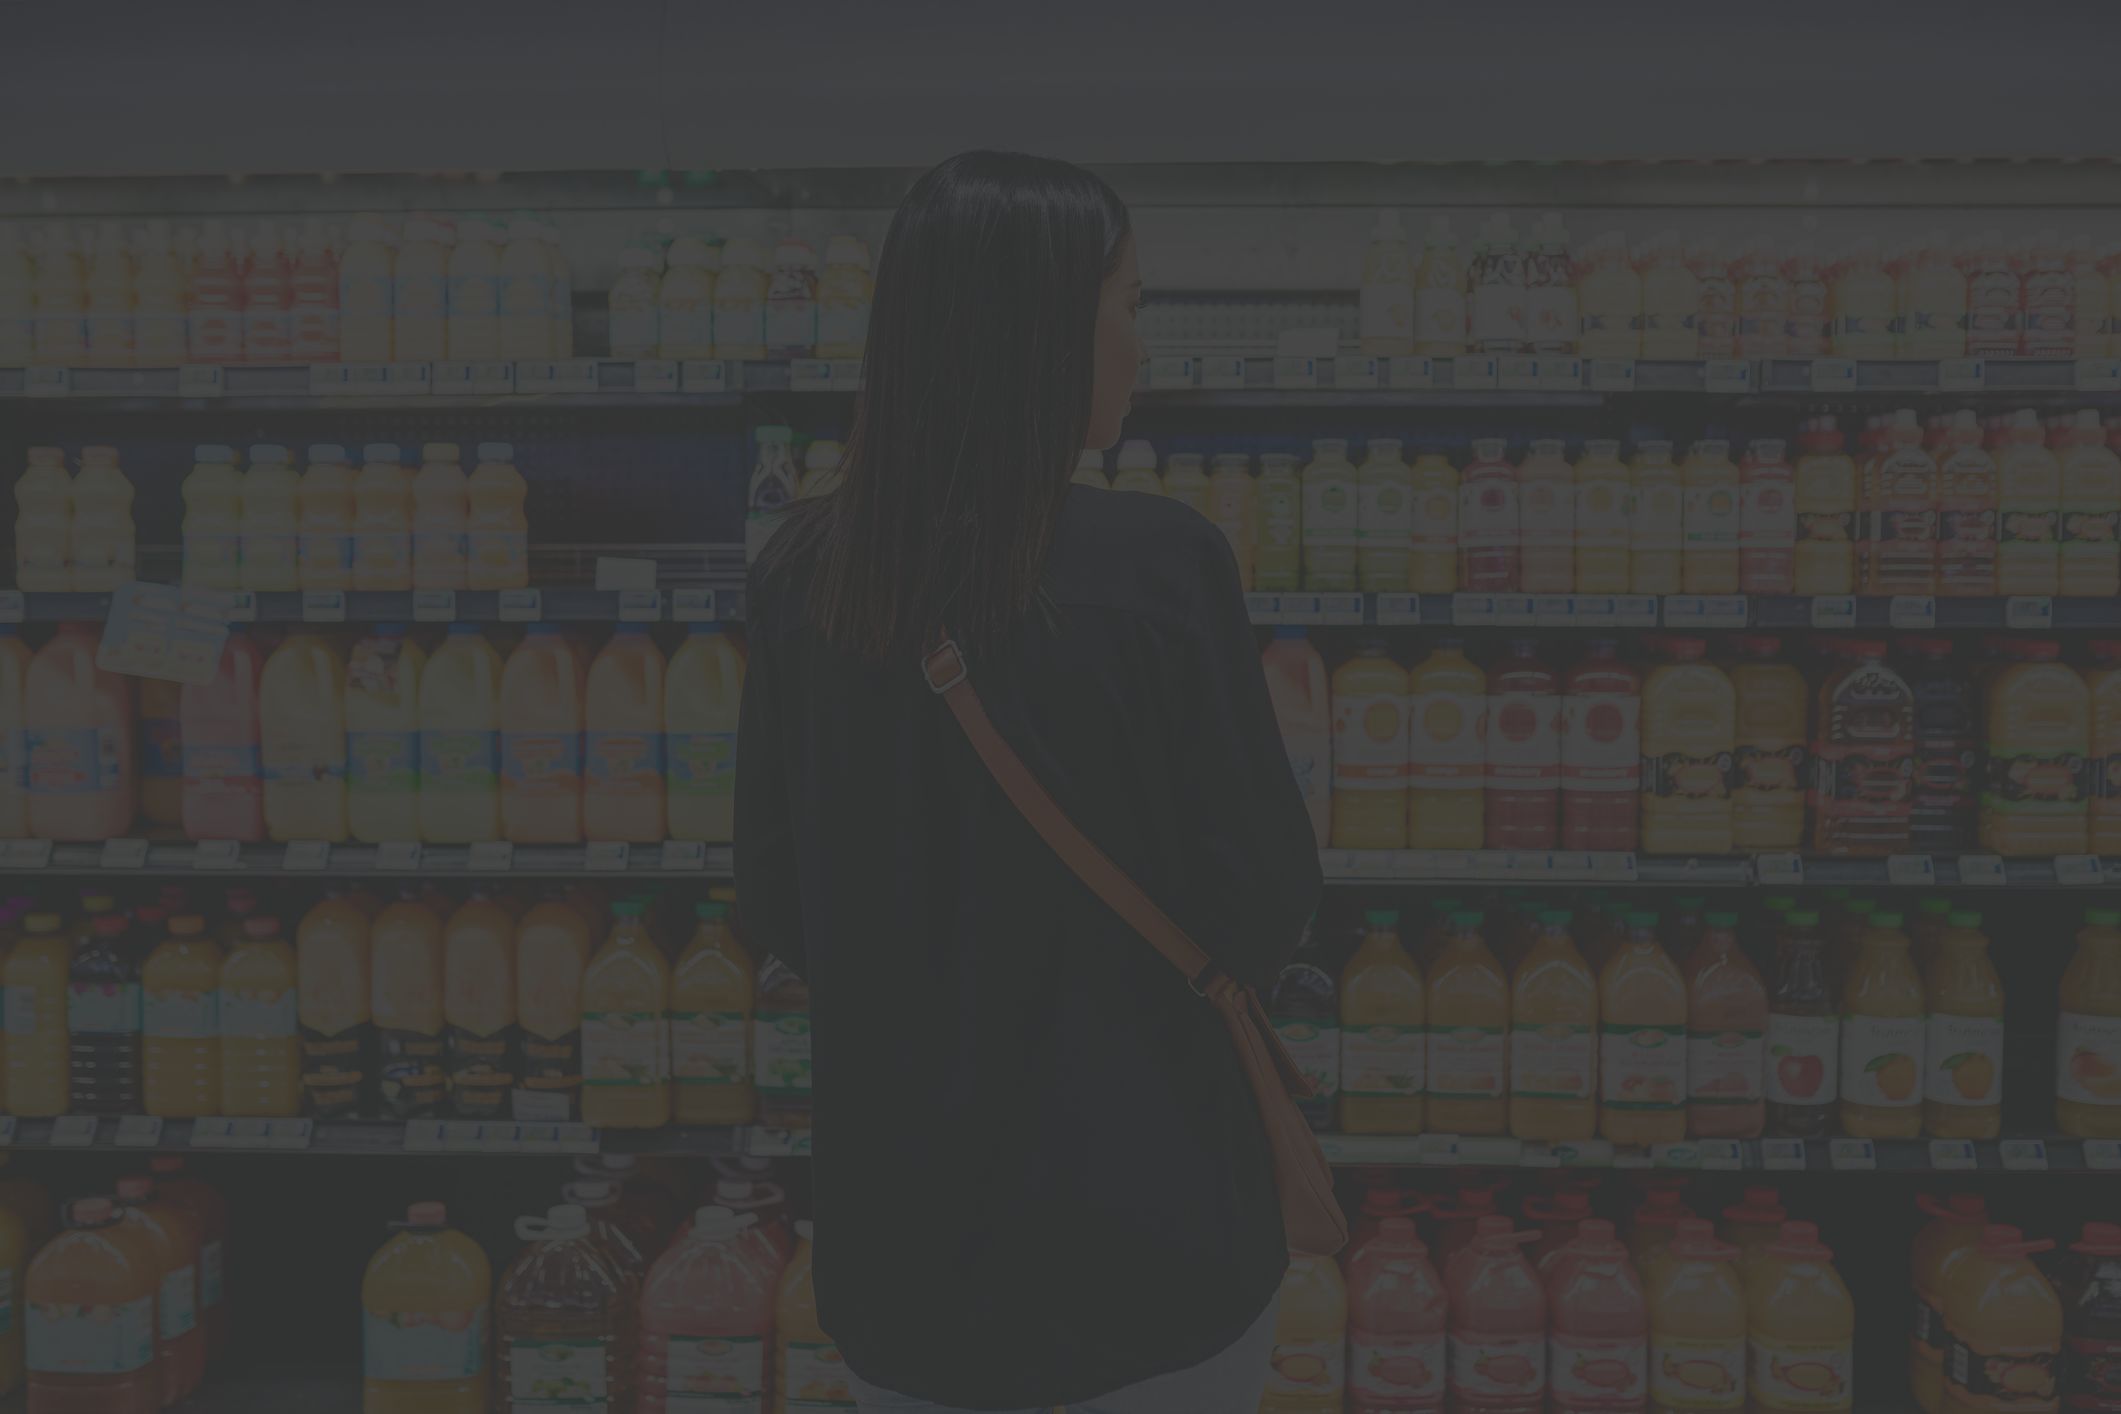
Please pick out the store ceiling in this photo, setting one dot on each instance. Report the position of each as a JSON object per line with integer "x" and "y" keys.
{"x": 130, "y": 87}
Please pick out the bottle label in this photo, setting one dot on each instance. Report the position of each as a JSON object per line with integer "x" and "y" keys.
{"x": 709, "y": 1047}
{"x": 1723, "y": 1067}
{"x": 1688, "y": 1373}
{"x": 21, "y": 1013}
{"x": 1498, "y": 1367}
{"x": 161, "y": 749}
{"x": 1767, "y": 516}
{"x": 1316, "y": 1050}
{"x": 71, "y": 760}
{"x": 2035, "y": 782}
{"x": 383, "y": 761}
{"x": 542, "y": 763}
{"x": 1658, "y": 519}
{"x": 1468, "y": 1062}
{"x": 181, "y": 1016}
{"x": 1799, "y": 1375}
{"x": 1487, "y": 513}
{"x": 103, "y": 1008}
{"x": 227, "y": 767}
{"x": 626, "y": 763}
{"x": 412, "y": 1081}
{"x": 1382, "y": 1062}
{"x": 497, "y": 558}
{"x": 1384, "y": 512}
{"x": 1369, "y": 742}
{"x": 1435, "y": 524}
{"x": 1386, "y": 312}
{"x": 739, "y": 327}
{"x": 365, "y": 296}
{"x": 1679, "y": 775}
{"x": 383, "y": 556}
{"x": 299, "y": 752}
{"x": 816, "y": 1376}
{"x": 725, "y": 1368}
{"x": 2040, "y": 527}
{"x": 481, "y": 1071}
{"x": 552, "y": 1069}
{"x": 1601, "y": 742}
{"x": 67, "y": 1339}
{"x": 1597, "y": 1372}
{"x": 471, "y": 295}
{"x": 2087, "y": 1057}
{"x": 1642, "y": 1067}
{"x": 423, "y": 1346}
{"x": 1407, "y": 1369}
{"x": 1547, "y": 521}
{"x": 1447, "y": 740}
{"x": 564, "y": 1374}
{"x": 1553, "y": 1062}
{"x": 179, "y": 1306}
{"x": 526, "y": 295}
{"x": 1603, "y": 510}
{"x": 2091, "y": 1374}
{"x": 1331, "y": 513}
{"x": 335, "y": 1070}
{"x": 625, "y": 1048}
{"x": 1965, "y": 1060}
{"x": 1770, "y": 770}
{"x": 1440, "y": 315}
{"x": 452, "y": 761}
{"x": 1803, "y": 1059}
{"x": 1524, "y": 741}
{"x": 1926, "y": 1337}
{"x": 2022, "y": 1378}
{"x": 1307, "y": 1369}
{"x": 1881, "y": 1061}
{"x": 781, "y": 1051}
{"x": 1711, "y": 518}
{"x": 702, "y": 765}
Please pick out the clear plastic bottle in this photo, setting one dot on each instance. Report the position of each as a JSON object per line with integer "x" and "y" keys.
{"x": 1963, "y": 1079}
{"x": 1440, "y": 315}
{"x": 1331, "y": 518}
{"x": 564, "y": 1320}
{"x": 1882, "y": 1036}
{"x": 625, "y": 1027}
{"x": 440, "y": 515}
{"x": 1384, "y": 516}
{"x": 1642, "y": 1063}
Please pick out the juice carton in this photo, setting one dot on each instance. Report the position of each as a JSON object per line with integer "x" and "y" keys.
{"x": 1642, "y": 1062}
{"x": 181, "y": 1022}
{"x": 441, "y": 513}
{"x": 332, "y": 1008}
{"x": 1553, "y": 1039}
{"x": 1882, "y": 1035}
{"x": 707, "y": 1315}
{"x": 1277, "y": 561}
{"x": 1469, "y": 1060}
{"x": 2036, "y": 800}
{"x": 623, "y": 791}
{"x": 564, "y": 1318}
{"x": 1947, "y": 1239}
{"x": 1498, "y": 1328}
{"x": 1309, "y": 1365}
{"x": 1304, "y": 1006}
{"x": 1489, "y": 520}
{"x": 1767, "y": 802}
{"x": 324, "y": 514}
{"x": 552, "y": 948}
{"x": 1370, "y": 705}
{"x": 1601, "y": 751}
{"x": 1800, "y": 1326}
{"x": 1963, "y": 1086}
{"x": 807, "y": 1368}
{"x": 1863, "y": 755}
{"x": 382, "y": 521}
{"x": 1383, "y": 1011}
{"x": 1598, "y": 1326}
{"x": 1767, "y": 520}
{"x": 1524, "y": 751}
{"x": 1546, "y": 492}
{"x": 1332, "y": 516}
{"x": 1727, "y": 1018}
{"x": 625, "y": 1028}
{"x": 302, "y": 740}
{"x": 1397, "y": 1324}
{"x": 89, "y": 1298}
{"x": 497, "y": 532}
{"x": 710, "y": 1025}
{"x": 541, "y": 739}
{"x": 460, "y": 740}
{"x": 1384, "y": 521}
{"x": 479, "y": 1008}
{"x": 1440, "y": 294}
{"x": 406, "y": 991}
{"x": 426, "y": 1307}
{"x": 2029, "y": 499}
{"x": 77, "y": 741}
{"x": 2087, "y": 1032}
{"x": 2091, "y": 1305}
{"x": 1697, "y": 1326}
{"x": 171, "y": 1233}
{"x": 37, "y": 1044}
{"x": 1689, "y": 741}
{"x": 1712, "y": 519}
{"x": 1447, "y": 717}
{"x": 383, "y": 736}
{"x": 1297, "y": 686}
{"x": 1824, "y": 561}
{"x": 2005, "y": 1324}
{"x": 1432, "y": 566}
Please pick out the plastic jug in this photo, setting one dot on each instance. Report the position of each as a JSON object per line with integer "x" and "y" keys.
{"x": 1469, "y": 1060}
{"x": 1773, "y": 702}
{"x": 181, "y": 1022}
{"x": 440, "y": 519}
{"x": 271, "y": 525}
{"x": 77, "y": 741}
{"x": 1370, "y": 752}
{"x": 383, "y": 736}
{"x": 172, "y": 1234}
{"x": 261, "y": 1050}
{"x": 1863, "y": 752}
{"x": 102, "y": 546}
{"x": 1727, "y": 1019}
{"x": 479, "y": 1008}
{"x": 1383, "y": 1009}
{"x": 623, "y": 792}
{"x": 426, "y": 1308}
{"x": 1553, "y": 1039}
{"x": 710, "y": 1025}
{"x": 625, "y": 1028}
{"x": 564, "y": 1319}
{"x": 2037, "y": 796}
{"x": 405, "y": 972}
{"x": 103, "y": 1014}
{"x": 1642, "y": 1062}
{"x": 1598, "y": 1326}
{"x": 702, "y": 692}
{"x": 1307, "y": 1372}
{"x": 707, "y": 1313}
{"x": 1447, "y": 730}
{"x": 1963, "y": 1077}
{"x": 1397, "y": 1324}
{"x": 36, "y": 1040}
{"x": 2005, "y": 1323}
{"x": 807, "y": 1368}
{"x": 552, "y": 947}
{"x": 382, "y": 524}
{"x": 224, "y": 786}
{"x": 1825, "y": 558}
{"x": 1949, "y": 1237}
{"x": 460, "y": 691}
{"x": 1689, "y": 741}
{"x": 90, "y": 1339}
{"x": 1498, "y": 1328}
{"x": 541, "y": 739}
{"x": 333, "y": 1009}
{"x": 1882, "y": 1035}
{"x": 497, "y": 530}
{"x": 1697, "y": 1321}
{"x": 324, "y": 516}
{"x": 302, "y": 697}
{"x": 2087, "y": 1033}
{"x": 209, "y": 1214}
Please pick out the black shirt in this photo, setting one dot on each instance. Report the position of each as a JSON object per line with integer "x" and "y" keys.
{"x": 1039, "y": 1176}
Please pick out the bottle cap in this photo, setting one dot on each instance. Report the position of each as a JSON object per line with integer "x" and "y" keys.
{"x": 2099, "y": 1240}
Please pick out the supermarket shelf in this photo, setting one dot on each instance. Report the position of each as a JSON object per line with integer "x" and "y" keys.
{"x": 2011, "y": 1155}
{"x": 718, "y": 599}
{"x": 1686, "y": 612}
{"x": 672, "y": 859}
{"x": 259, "y": 1392}
{"x": 1531, "y": 867}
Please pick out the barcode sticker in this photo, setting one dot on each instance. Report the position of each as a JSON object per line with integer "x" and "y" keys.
{"x": 491, "y": 857}
{"x": 1171, "y": 374}
{"x": 1411, "y": 372}
{"x": 1782, "y": 1155}
{"x": 1951, "y": 1155}
{"x": 1727, "y": 375}
{"x": 2079, "y": 870}
{"x": 1852, "y": 1155}
{"x": 692, "y": 606}
{"x": 138, "y": 1132}
{"x": 1834, "y": 611}
{"x": 1474, "y": 371}
{"x": 1612, "y": 375}
{"x": 1833, "y": 375}
{"x": 1910, "y": 870}
{"x": 306, "y": 856}
{"x": 1961, "y": 375}
{"x": 217, "y": 854}
{"x": 398, "y": 857}
{"x": 434, "y": 606}
{"x": 125, "y": 854}
{"x": 521, "y": 606}
{"x": 73, "y": 1131}
{"x": 2023, "y": 1155}
{"x": 323, "y": 606}
{"x": 606, "y": 856}
{"x": 682, "y": 856}
{"x": 655, "y": 375}
{"x": 1223, "y": 371}
{"x": 1984, "y": 870}
{"x": 1354, "y": 371}
{"x": 1912, "y": 611}
{"x": 2033, "y": 611}
{"x": 704, "y": 375}
{"x": 1786, "y": 870}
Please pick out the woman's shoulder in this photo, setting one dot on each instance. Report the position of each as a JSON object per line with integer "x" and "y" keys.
{"x": 1131, "y": 549}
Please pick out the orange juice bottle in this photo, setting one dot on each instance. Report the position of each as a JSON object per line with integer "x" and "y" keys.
{"x": 1656, "y": 528}
{"x": 1689, "y": 741}
{"x": 181, "y": 1022}
{"x": 2104, "y": 685}
{"x": 302, "y": 736}
{"x": 1308, "y": 1370}
{"x": 808, "y": 1373}
{"x": 1469, "y": 1059}
{"x": 460, "y": 746}
{"x": 1711, "y": 517}
{"x": 1826, "y": 511}
{"x": 261, "y": 1047}
{"x": 1767, "y": 796}
{"x": 2037, "y": 796}
{"x": 39, "y": 1074}
{"x": 1370, "y": 752}
{"x": 2087, "y": 1033}
{"x": 2005, "y": 1324}
{"x": 701, "y": 694}
{"x": 1697, "y": 1327}
{"x": 1947, "y": 1239}
{"x": 1553, "y": 1038}
{"x": 552, "y": 954}
{"x": 332, "y": 1003}
{"x": 1447, "y": 709}
{"x": 541, "y": 739}
{"x": 383, "y": 736}
{"x": 626, "y": 1027}
{"x": 1642, "y": 1008}
{"x": 426, "y": 1307}
{"x": 710, "y": 1025}
{"x": 1605, "y": 497}
{"x": 622, "y": 752}
{"x": 406, "y": 1003}
{"x": 1963, "y": 1094}
{"x": 1864, "y": 755}
{"x": 1882, "y": 1034}
{"x": 170, "y": 1230}
{"x": 1800, "y": 1326}
{"x": 1432, "y": 564}
{"x": 1727, "y": 1015}
{"x": 2029, "y": 510}
{"x": 89, "y": 1301}
{"x": 1382, "y": 1056}
{"x": 479, "y": 1008}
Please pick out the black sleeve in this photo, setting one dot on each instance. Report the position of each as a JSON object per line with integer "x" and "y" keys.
{"x": 767, "y": 887}
{"x": 1250, "y": 853}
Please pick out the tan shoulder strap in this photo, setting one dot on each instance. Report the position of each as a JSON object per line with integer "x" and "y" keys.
{"x": 944, "y": 668}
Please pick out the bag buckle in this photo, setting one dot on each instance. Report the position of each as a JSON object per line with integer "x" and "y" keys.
{"x": 943, "y": 667}
{"x": 1209, "y": 976}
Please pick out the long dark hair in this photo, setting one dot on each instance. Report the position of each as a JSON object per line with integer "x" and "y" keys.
{"x": 975, "y": 403}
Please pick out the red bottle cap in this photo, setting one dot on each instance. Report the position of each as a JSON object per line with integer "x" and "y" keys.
{"x": 1969, "y": 1208}
{"x": 2099, "y": 1240}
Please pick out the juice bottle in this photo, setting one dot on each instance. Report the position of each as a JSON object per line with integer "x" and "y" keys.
{"x": 1824, "y": 561}
{"x": 1553, "y": 1039}
{"x": 1496, "y": 322}
{"x": 1559, "y": 1215}
{"x": 2004, "y": 1320}
{"x": 527, "y": 293}
{"x": 159, "y": 324}
{"x": 710, "y": 1025}
{"x": 1807, "y": 323}
{"x": 1863, "y": 755}
{"x": 623, "y": 793}
{"x": 1882, "y": 1035}
{"x": 552, "y": 947}
{"x": 2029, "y": 499}
{"x": 1767, "y": 519}
{"x": 1611, "y": 296}
{"x": 103, "y": 1016}
{"x": 791, "y": 301}
{"x": 665, "y": 314}
{"x": 474, "y": 292}
{"x": 1800, "y": 1326}
{"x": 1933, "y": 315}
{"x": 2094, "y": 310}
{"x": 1296, "y": 685}
{"x": 1468, "y": 1061}
{"x": 564, "y": 1316}
{"x": 1671, "y": 301}
{"x": 60, "y": 298}
{"x": 1946, "y": 749}
{"x": 440, "y": 515}
{"x": 1440, "y": 294}
{"x": 1447, "y": 713}
{"x": 2087, "y": 1032}
{"x": 1307, "y": 1371}
{"x": 383, "y": 736}
{"x": 460, "y": 740}
{"x": 44, "y": 517}
{"x": 1551, "y": 310}
{"x": 1727, "y": 1019}
{"x": 1384, "y": 521}
{"x": 1900, "y": 497}
{"x": 425, "y": 1307}
{"x": 740, "y": 301}
{"x": 14, "y": 796}
{"x": 2091, "y": 511}
{"x": 1332, "y": 516}
{"x": 1642, "y": 1062}
{"x": 269, "y": 526}
{"x": 1397, "y": 1324}
{"x": 625, "y": 1028}
{"x": 1524, "y": 750}
{"x": 1945, "y": 1241}
{"x": 1135, "y": 469}
{"x": 108, "y": 301}
{"x": 1498, "y": 1328}
{"x": 1963, "y": 1089}
{"x": 103, "y": 542}
{"x": 1370, "y": 706}
{"x": 90, "y": 1318}
{"x": 170, "y": 1233}
{"x": 479, "y": 1008}
{"x": 807, "y": 1368}
{"x": 77, "y": 741}
{"x": 1387, "y": 297}
{"x": 1186, "y": 481}
{"x": 1712, "y": 517}
{"x": 419, "y": 291}
{"x": 1383, "y": 1008}
{"x": 1767, "y": 803}
{"x": 224, "y": 787}
{"x": 496, "y": 530}
{"x": 1967, "y": 491}
{"x": 1689, "y": 741}
{"x": 332, "y": 1008}
{"x": 780, "y": 1046}
{"x": 1657, "y": 527}
{"x": 1604, "y": 507}
{"x": 1489, "y": 528}
{"x": 1304, "y": 1006}
{"x": 541, "y": 739}
{"x": 2036, "y": 799}
{"x": 1598, "y": 1327}
{"x": 1763, "y": 302}
{"x": 181, "y": 1022}
{"x": 1234, "y": 509}
{"x": 2047, "y": 300}
{"x": 405, "y": 947}
{"x": 707, "y": 1315}
{"x": 302, "y": 697}
{"x": 2091, "y": 1304}
{"x": 324, "y": 510}
{"x": 1277, "y": 562}
{"x": 382, "y": 524}
{"x": 1697, "y": 1321}
{"x": 1601, "y": 751}
{"x": 1546, "y": 495}
{"x": 1432, "y": 566}
{"x": 36, "y": 1038}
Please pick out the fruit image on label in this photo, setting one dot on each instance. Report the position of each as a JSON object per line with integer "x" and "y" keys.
{"x": 1499, "y": 1366}
{"x": 781, "y": 1051}
{"x": 1383, "y": 1061}
{"x": 1965, "y": 1060}
{"x": 1369, "y": 742}
{"x": 1803, "y": 1059}
{"x": 1798, "y": 1376}
{"x": 1723, "y": 1067}
{"x": 1881, "y": 1060}
{"x": 419, "y": 1346}
{"x": 1409, "y": 1368}
{"x": 1447, "y": 747}
{"x": 1697, "y": 1374}
{"x": 1642, "y": 1067}
{"x": 2088, "y": 1059}
{"x": 1596, "y": 1372}
{"x": 550, "y": 1373}
{"x": 1316, "y": 1051}
{"x": 2016, "y": 1378}
{"x": 717, "y": 1367}
{"x": 1467, "y": 1062}
{"x": 1306, "y": 1367}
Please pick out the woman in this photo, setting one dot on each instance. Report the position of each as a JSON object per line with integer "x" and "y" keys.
{"x": 1039, "y": 1176}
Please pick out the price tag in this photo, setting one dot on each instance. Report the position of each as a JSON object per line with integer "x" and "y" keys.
{"x": 217, "y": 854}
{"x": 326, "y": 379}
{"x": 1635, "y": 611}
{"x": 1591, "y": 610}
{"x": 306, "y": 856}
{"x": 2102, "y": 1154}
{"x": 491, "y": 857}
{"x": 692, "y": 606}
{"x": 1484, "y": 1153}
{"x": 410, "y": 379}
{"x": 684, "y": 856}
{"x": 73, "y": 1131}
{"x": 398, "y": 857}
{"x": 1984, "y": 870}
{"x": 25, "y": 854}
{"x": 1513, "y": 609}
{"x": 1676, "y": 1156}
{"x": 536, "y": 375}
{"x": 289, "y": 1133}
{"x": 1413, "y": 373}
{"x": 1354, "y": 371}
{"x": 2023, "y": 1155}
{"x": 124, "y": 854}
{"x": 1170, "y": 375}
{"x": 1399, "y": 608}
{"x": 1833, "y": 375}
{"x": 201, "y": 380}
{"x": 1630, "y": 1157}
{"x": 704, "y": 375}
{"x": 1225, "y": 372}
{"x": 575, "y": 375}
{"x": 1472, "y": 609}
{"x": 47, "y": 381}
{"x": 1553, "y": 610}
{"x": 364, "y": 380}
{"x": 1782, "y": 1155}
{"x": 1299, "y": 609}
{"x": 1912, "y": 611}
{"x": 606, "y": 857}
{"x": 212, "y": 1132}
{"x": 1834, "y": 611}
{"x": 640, "y": 606}
{"x": 138, "y": 1132}
{"x": 1340, "y": 608}
{"x": 1560, "y": 373}
{"x": 521, "y": 606}
{"x": 1612, "y": 375}
{"x": 1584, "y": 1153}
{"x": 1295, "y": 371}
{"x": 2034, "y": 611}
{"x": 2098, "y": 375}
{"x": 1951, "y": 1155}
{"x": 2078, "y": 871}
{"x": 1436, "y": 1149}
{"x": 1852, "y": 1155}
{"x": 423, "y": 1135}
{"x": 1538, "y": 1156}
{"x": 1721, "y": 1155}
{"x": 1476, "y": 372}
{"x": 1961, "y": 375}
{"x": 1910, "y": 870}
{"x": 1727, "y": 375}
{"x": 1516, "y": 373}
{"x": 1783, "y": 870}
{"x": 434, "y": 606}
{"x": 323, "y": 606}
{"x": 1721, "y": 611}
{"x": 1616, "y": 866}
{"x": 810, "y": 375}
{"x": 655, "y": 375}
